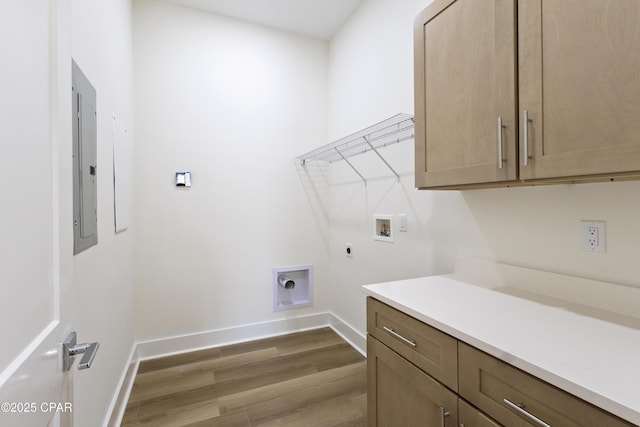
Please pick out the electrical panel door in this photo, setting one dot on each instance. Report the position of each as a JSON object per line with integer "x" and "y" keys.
{"x": 85, "y": 197}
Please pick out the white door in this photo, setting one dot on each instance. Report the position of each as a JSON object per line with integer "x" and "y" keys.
{"x": 35, "y": 282}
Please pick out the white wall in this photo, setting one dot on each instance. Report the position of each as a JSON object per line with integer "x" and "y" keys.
{"x": 539, "y": 227}
{"x": 371, "y": 78}
{"x": 103, "y": 275}
{"x": 233, "y": 103}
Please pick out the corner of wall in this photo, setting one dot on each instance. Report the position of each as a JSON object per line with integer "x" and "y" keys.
{"x": 125, "y": 385}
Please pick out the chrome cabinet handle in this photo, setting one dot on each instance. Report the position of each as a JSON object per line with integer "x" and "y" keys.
{"x": 443, "y": 414}
{"x": 525, "y": 124}
{"x": 400, "y": 337}
{"x": 518, "y": 409}
{"x": 500, "y": 145}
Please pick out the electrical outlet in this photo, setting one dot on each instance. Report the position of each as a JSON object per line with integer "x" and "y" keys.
{"x": 348, "y": 250}
{"x": 592, "y": 236}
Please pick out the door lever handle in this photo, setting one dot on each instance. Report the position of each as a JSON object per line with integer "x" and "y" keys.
{"x": 70, "y": 349}
{"x": 88, "y": 351}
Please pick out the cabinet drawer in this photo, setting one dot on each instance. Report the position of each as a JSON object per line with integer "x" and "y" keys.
{"x": 432, "y": 351}
{"x": 491, "y": 384}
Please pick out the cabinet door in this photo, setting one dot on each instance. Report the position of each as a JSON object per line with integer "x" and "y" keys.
{"x": 579, "y": 81}
{"x": 401, "y": 395}
{"x": 471, "y": 417}
{"x": 464, "y": 82}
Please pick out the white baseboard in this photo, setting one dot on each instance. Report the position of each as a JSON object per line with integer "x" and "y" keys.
{"x": 192, "y": 342}
{"x": 349, "y": 334}
{"x": 119, "y": 402}
{"x": 154, "y": 349}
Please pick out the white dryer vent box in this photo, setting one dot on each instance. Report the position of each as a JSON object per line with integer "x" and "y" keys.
{"x": 292, "y": 287}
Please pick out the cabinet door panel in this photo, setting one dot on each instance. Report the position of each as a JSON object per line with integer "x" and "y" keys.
{"x": 401, "y": 395}
{"x": 471, "y": 417}
{"x": 465, "y": 80}
{"x": 579, "y": 80}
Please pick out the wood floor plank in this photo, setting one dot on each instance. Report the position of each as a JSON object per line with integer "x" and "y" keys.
{"x": 187, "y": 414}
{"x": 208, "y": 365}
{"x": 310, "y": 340}
{"x": 130, "y": 414}
{"x": 320, "y": 358}
{"x": 169, "y": 385}
{"x": 178, "y": 359}
{"x": 339, "y": 411}
{"x": 214, "y": 391}
{"x": 276, "y": 400}
{"x": 309, "y": 378}
{"x": 287, "y": 343}
{"x": 235, "y": 419}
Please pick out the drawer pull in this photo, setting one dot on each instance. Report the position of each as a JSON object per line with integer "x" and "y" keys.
{"x": 443, "y": 414}
{"x": 518, "y": 410}
{"x": 400, "y": 337}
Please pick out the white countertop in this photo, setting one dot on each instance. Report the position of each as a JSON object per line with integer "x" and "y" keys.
{"x": 594, "y": 359}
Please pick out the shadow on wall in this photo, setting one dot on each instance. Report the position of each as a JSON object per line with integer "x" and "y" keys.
{"x": 314, "y": 177}
{"x": 520, "y": 224}
{"x": 454, "y": 231}
{"x": 440, "y": 224}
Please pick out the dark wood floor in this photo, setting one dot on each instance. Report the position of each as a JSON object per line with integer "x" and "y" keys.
{"x": 309, "y": 379}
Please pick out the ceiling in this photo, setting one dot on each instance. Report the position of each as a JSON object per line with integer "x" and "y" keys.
{"x": 319, "y": 19}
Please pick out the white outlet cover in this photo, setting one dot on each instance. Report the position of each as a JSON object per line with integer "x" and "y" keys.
{"x": 593, "y": 236}
{"x": 403, "y": 222}
{"x": 348, "y": 250}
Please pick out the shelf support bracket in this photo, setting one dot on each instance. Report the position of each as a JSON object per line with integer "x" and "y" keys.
{"x": 381, "y": 158}
{"x": 352, "y": 167}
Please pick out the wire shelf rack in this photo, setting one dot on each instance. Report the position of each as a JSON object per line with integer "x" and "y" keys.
{"x": 390, "y": 131}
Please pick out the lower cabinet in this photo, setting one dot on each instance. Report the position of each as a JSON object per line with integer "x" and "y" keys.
{"x": 401, "y": 395}
{"x": 406, "y": 388}
{"x": 518, "y": 399}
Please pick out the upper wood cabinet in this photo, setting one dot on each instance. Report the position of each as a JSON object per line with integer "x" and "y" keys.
{"x": 465, "y": 70}
{"x": 510, "y": 92}
{"x": 579, "y": 79}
